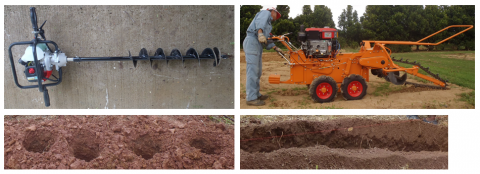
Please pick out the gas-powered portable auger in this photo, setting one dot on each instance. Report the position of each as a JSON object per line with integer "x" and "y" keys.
{"x": 39, "y": 58}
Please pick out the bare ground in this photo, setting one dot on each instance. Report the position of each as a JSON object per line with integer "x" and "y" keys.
{"x": 117, "y": 142}
{"x": 385, "y": 142}
{"x": 398, "y": 97}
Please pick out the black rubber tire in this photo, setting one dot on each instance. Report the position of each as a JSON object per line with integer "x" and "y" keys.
{"x": 348, "y": 80}
{"x": 318, "y": 81}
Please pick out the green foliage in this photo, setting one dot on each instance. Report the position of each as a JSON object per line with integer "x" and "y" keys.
{"x": 306, "y": 10}
{"x": 400, "y": 48}
{"x": 247, "y": 13}
{"x": 379, "y": 22}
{"x": 283, "y": 26}
{"x": 283, "y": 10}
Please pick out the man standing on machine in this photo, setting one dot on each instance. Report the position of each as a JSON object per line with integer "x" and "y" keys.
{"x": 260, "y": 27}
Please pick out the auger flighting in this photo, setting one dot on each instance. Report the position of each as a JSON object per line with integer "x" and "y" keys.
{"x": 39, "y": 59}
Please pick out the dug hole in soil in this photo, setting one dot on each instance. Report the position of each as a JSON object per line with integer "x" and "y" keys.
{"x": 119, "y": 142}
{"x": 344, "y": 144}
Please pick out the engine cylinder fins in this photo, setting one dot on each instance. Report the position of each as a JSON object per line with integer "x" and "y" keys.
{"x": 192, "y": 54}
{"x": 217, "y": 56}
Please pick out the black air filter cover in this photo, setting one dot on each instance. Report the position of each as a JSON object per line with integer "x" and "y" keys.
{"x": 313, "y": 35}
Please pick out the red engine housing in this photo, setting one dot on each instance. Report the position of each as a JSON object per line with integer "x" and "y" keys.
{"x": 326, "y": 33}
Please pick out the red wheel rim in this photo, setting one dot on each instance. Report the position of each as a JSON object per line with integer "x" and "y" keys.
{"x": 324, "y": 90}
{"x": 355, "y": 88}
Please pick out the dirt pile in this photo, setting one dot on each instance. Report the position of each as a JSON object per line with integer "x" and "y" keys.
{"x": 118, "y": 142}
{"x": 344, "y": 143}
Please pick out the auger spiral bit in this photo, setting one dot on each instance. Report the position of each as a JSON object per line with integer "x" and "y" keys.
{"x": 191, "y": 53}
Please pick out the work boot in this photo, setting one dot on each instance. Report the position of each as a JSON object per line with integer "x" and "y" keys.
{"x": 263, "y": 97}
{"x": 256, "y": 102}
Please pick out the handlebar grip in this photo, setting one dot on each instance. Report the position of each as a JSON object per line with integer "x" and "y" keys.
{"x": 46, "y": 97}
{"x": 33, "y": 18}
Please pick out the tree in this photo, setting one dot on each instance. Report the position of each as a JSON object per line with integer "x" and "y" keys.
{"x": 284, "y": 10}
{"x": 436, "y": 20}
{"x": 247, "y": 13}
{"x": 349, "y": 28}
{"x": 283, "y": 26}
{"x": 460, "y": 15}
{"x": 307, "y": 10}
{"x": 416, "y": 23}
{"x": 355, "y": 17}
{"x": 322, "y": 17}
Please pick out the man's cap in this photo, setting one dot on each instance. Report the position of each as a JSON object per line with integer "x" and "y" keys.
{"x": 278, "y": 14}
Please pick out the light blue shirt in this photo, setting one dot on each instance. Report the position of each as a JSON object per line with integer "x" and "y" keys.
{"x": 262, "y": 20}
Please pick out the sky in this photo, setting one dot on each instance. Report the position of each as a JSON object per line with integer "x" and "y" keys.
{"x": 336, "y": 10}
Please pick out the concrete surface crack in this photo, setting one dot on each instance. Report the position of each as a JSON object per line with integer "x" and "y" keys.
{"x": 130, "y": 17}
{"x": 106, "y": 104}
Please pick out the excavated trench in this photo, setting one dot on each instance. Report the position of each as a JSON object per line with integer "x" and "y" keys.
{"x": 38, "y": 141}
{"x": 85, "y": 145}
{"x": 146, "y": 146}
{"x": 344, "y": 144}
{"x": 347, "y": 134}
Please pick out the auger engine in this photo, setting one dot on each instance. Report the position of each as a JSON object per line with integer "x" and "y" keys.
{"x": 45, "y": 58}
{"x": 318, "y": 42}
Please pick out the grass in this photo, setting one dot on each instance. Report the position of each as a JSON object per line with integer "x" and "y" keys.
{"x": 221, "y": 119}
{"x": 304, "y": 102}
{"x": 330, "y": 107}
{"x": 468, "y": 97}
{"x": 458, "y": 71}
{"x": 300, "y": 88}
{"x": 265, "y": 119}
{"x": 268, "y": 51}
{"x": 385, "y": 88}
{"x": 349, "y": 50}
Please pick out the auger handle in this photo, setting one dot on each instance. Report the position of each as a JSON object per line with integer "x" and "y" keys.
{"x": 46, "y": 97}
{"x": 33, "y": 18}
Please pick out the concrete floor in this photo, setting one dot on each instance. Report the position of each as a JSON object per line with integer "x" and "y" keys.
{"x": 89, "y": 31}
